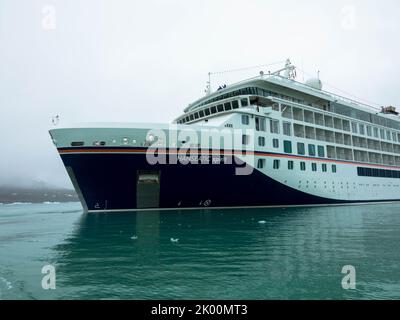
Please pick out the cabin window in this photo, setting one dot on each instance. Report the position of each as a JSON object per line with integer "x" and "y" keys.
{"x": 321, "y": 151}
{"x": 376, "y": 132}
{"x": 324, "y": 167}
{"x": 388, "y": 136}
{"x": 245, "y": 139}
{"x": 354, "y": 127}
{"x": 260, "y": 124}
{"x": 125, "y": 140}
{"x": 311, "y": 150}
{"x": 261, "y": 163}
{"x": 314, "y": 167}
{"x": 301, "y": 149}
{"x": 362, "y": 129}
{"x": 346, "y": 125}
{"x": 290, "y": 165}
{"x": 302, "y": 166}
{"x": 334, "y": 169}
{"x": 261, "y": 141}
{"x": 369, "y": 131}
{"x": 287, "y": 146}
{"x": 287, "y": 126}
{"x": 275, "y": 143}
{"x": 245, "y": 119}
{"x": 382, "y": 132}
{"x": 277, "y": 164}
{"x": 274, "y": 126}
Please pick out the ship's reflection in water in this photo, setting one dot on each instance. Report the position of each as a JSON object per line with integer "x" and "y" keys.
{"x": 230, "y": 254}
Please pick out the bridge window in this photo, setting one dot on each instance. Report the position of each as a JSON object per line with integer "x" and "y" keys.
{"x": 220, "y": 108}
{"x": 227, "y": 106}
{"x": 235, "y": 104}
{"x": 244, "y": 102}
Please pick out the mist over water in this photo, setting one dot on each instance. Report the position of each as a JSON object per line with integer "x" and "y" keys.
{"x": 295, "y": 253}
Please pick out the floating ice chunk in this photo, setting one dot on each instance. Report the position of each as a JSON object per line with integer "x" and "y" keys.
{"x": 17, "y": 203}
{"x": 7, "y": 283}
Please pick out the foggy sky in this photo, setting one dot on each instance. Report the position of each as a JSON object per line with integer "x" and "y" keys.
{"x": 129, "y": 60}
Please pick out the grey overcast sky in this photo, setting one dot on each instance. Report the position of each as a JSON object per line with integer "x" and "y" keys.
{"x": 129, "y": 60}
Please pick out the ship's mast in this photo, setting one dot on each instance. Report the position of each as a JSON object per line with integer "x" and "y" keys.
{"x": 289, "y": 71}
{"x": 208, "y": 87}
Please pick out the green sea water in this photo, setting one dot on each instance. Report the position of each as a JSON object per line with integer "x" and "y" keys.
{"x": 294, "y": 253}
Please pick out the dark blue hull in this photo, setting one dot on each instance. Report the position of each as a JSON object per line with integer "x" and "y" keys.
{"x": 109, "y": 181}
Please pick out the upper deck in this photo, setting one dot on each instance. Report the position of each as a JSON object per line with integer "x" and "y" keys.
{"x": 290, "y": 90}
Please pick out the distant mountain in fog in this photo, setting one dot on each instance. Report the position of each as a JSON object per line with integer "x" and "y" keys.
{"x": 36, "y": 193}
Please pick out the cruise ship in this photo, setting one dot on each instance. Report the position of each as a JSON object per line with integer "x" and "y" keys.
{"x": 262, "y": 142}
